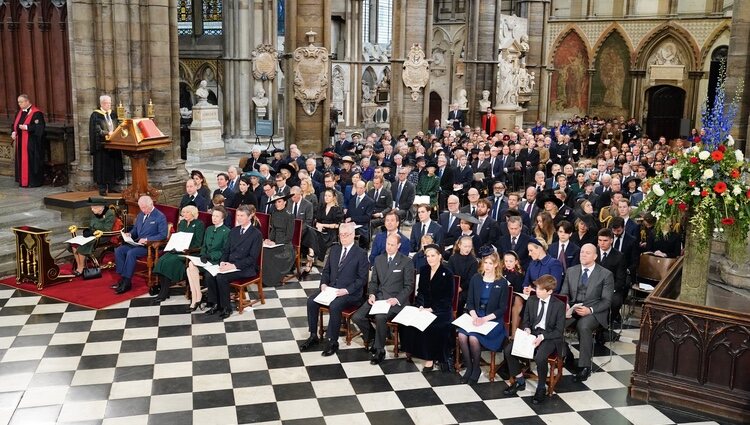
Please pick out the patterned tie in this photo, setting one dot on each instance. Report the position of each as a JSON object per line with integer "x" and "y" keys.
{"x": 343, "y": 257}
{"x": 390, "y": 262}
{"x": 585, "y": 278}
{"x": 513, "y": 241}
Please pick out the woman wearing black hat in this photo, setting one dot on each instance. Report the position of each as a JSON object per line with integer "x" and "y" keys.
{"x": 435, "y": 294}
{"x": 429, "y": 184}
{"x": 244, "y": 195}
{"x": 277, "y": 261}
{"x": 586, "y": 229}
{"x": 103, "y": 219}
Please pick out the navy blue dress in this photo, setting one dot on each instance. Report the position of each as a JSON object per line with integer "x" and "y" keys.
{"x": 486, "y": 298}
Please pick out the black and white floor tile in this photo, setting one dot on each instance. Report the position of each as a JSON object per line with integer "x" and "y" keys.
{"x": 135, "y": 363}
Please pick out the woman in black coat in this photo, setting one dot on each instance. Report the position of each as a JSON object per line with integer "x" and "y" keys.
{"x": 245, "y": 195}
{"x": 328, "y": 217}
{"x": 435, "y": 294}
{"x": 463, "y": 263}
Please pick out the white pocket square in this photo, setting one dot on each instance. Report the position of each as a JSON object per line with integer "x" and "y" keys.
{"x": 397, "y": 271}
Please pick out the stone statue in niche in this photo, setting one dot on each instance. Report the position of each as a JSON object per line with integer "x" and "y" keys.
{"x": 379, "y": 54}
{"x": 524, "y": 43}
{"x": 507, "y": 84}
{"x": 367, "y": 52}
{"x": 337, "y": 80}
{"x": 512, "y": 29}
{"x": 416, "y": 71}
{"x": 463, "y": 102}
{"x": 667, "y": 55}
{"x": 367, "y": 93}
{"x": 202, "y": 93}
{"x": 485, "y": 101}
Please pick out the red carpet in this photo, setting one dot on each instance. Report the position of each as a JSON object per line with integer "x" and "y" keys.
{"x": 95, "y": 293}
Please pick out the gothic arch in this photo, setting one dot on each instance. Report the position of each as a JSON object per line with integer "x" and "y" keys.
{"x": 202, "y": 68}
{"x": 612, "y": 29}
{"x": 708, "y": 46}
{"x": 571, "y": 28}
{"x": 668, "y": 30}
{"x": 186, "y": 76}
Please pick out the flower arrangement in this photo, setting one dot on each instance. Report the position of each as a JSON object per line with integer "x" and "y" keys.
{"x": 707, "y": 185}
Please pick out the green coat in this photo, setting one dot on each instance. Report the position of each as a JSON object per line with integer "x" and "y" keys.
{"x": 172, "y": 265}
{"x": 429, "y": 185}
{"x": 213, "y": 243}
{"x": 105, "y": 224}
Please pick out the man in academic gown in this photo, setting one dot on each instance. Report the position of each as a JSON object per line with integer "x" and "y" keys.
{"x": 28, "y": 140}
{"x": 107, "y": 167}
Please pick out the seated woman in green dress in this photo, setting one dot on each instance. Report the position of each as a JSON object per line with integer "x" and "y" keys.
{"x": 215, "y": 238}
{"x": 102, "y": 218}
{"x": 171, "y": 265}
{"x": 429, "y": 184}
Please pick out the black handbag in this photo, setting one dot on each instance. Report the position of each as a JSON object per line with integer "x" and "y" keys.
{"x": 92, "y": 273}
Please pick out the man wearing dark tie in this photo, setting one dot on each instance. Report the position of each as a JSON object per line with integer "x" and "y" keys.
{"x": 515, "y": 241}
{"x": 403, "y": 193}
{"x": 498, "y": 200}
{"x": 566, "y": 252}
{"x": 192, "y": 196}
{"x": 591, "y": 286}
{"x": 359, "y": 212}
{"x": 345, "y": 271}
{"x": 238, "y": 261}
{"x": 264, "y": 203}
{"x": 222, "y": 179}
{"x": 614, "y": 261}
{"x": 450, "y": 223}
{"x": 392, "y": 280}
{"x": 423, "y": 227}
{"x": 234, "y": 179}
{"x": 383, "y": 202}
{"x": 544, "y": 317}
{"x": 150, "y": 225}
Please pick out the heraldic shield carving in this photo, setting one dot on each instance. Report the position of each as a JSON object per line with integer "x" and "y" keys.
{"x": 265, "y": 59}
{"x": 310, "y": 75}
{"x": 416, "y": 71}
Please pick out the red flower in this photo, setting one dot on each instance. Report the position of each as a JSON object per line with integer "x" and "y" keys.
{"x": 670, "y": 201}
{"x": 704, "y": 193}
{"x": 673, "y": 161}
{"x": 722, "y": 148}
{"x": 720, "y": 187}
{"x": 717, "y": 155}
{"x": 693, "y": 159}
{"x": 682, "y": 206}
{"x": 748, "y": 194}
{"x": 735, "y": 173}
{"x": 691, "y": 184}
{"x": 727, "y": 221}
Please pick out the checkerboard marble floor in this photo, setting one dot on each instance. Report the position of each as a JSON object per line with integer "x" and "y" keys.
{"x": 135, "y": 363}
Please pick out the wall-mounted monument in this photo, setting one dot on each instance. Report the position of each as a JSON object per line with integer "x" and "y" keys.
{"x": 310, "y": 74}
{"x": 416, "y": 71}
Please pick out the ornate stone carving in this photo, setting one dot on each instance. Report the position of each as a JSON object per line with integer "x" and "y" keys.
{"x": 512, "y": 30}
{"x": 26, "y": 3}
{"x": 514, "y": 83}
{"x": 375, "y": 52}
{"x": 310, "y": 74}
{"x": 337, "y": 81}
{"x": 463, "y": 102}
{"x": 485, "y": 101}
{"x": 416, "y": 71}
{"x": 265, "y": 59}
{"x": 667, "y": 54}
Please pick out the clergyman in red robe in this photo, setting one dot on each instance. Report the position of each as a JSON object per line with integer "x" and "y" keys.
{"x": 28, "y": 139}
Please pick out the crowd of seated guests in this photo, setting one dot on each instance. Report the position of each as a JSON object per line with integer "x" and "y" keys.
{"x": 504, "y": 210}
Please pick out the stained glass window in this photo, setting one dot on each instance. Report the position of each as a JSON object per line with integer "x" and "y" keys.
{"x": 212, "y": 17}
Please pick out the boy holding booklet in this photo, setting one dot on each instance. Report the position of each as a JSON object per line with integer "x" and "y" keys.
{"x": 544, "y": 317}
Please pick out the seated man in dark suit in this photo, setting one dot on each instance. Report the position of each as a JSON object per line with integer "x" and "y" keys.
{"x": 543, "y": 317}
{"x": 423, "y": 227}
{"x": 150, "y": 225}
{"x": 241, "y": 253}
{"x": 515, "y": 241}
{"x": 383, "y": 202}
{"x": 359, "y": 212}
{"x": 345, "y": 270}
{"x": 449, "y": 222}
{"x": 392, "y": 280}
{"x": 264, "y": 204}
{"x": 192, "y": 195}
{"x": 222, "y": 180}
{"x": 391, "y": 228}
{"x": 590, "y": 285}
{"x": 403, "y": 193}
{"x": 487, "y": 227}
{"x": 565, "y": 250}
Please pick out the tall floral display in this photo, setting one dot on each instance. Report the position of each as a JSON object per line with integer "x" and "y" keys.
{"x": 706, "y": 189}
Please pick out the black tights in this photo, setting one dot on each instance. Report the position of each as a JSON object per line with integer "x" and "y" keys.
{"x": 471, "y": 351}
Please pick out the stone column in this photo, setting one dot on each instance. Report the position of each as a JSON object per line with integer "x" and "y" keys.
{"x": 481, "y": 54}
{"x": 134, "y": 64}
{"x": 738, "y": 69}
{"x": 309, "y": 132}
{"x": 537, "y": 12}
{"x": 238, "y": 15}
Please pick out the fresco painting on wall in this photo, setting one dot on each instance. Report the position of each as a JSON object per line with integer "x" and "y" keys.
{"x": 570, "y": 81}
{"x": 610, "y": 86}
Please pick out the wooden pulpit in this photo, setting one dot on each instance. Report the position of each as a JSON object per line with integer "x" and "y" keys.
{"x": 34, "y": 263}
{"x": 137, "y": 138}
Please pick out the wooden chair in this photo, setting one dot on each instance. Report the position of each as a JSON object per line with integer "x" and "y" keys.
{"x": 171, "y": 213}
{"x": 205, "y": 217}
{"x": 652, "y": 269}
{"x": 241, "y": 286}
{"x": 346, "y": 314}
{"x": 296, "y": 244}
{"x": 506, "y": 323}
{"x": 153, "y": 250}
{"x": 264, "y": 220}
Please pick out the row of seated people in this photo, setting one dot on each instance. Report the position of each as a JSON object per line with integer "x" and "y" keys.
{"x": 393, "y": 280}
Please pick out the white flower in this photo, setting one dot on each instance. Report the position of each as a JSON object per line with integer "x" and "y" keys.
{"x": 676, "y": 173}
{"x": 696, "y": 148}
{"x": 708, "y": 173}
{"x": 736, "y": 190}
{"x": 656, "y": 214}
{"x": 696, "y": 192}
{"x": 658, "y": 190}
{"x": 739, "y": 155}
{"x": 730, "y": 140}
{"x": 703, "y": 155}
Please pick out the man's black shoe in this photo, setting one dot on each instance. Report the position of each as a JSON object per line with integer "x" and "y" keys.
{"x": 582, "y": 375}
{"x": 213, "y": 310}
{"x": 124, "y": 287}
{"x": 539, "y": 396}
{"x": 517, "y": 386}
{"x": 331, "y": 348}
{"x": 116, "y": 285}
{"x": 225, "y": 313}
{"x": 377, "y": 357}
{"x": 309, "y": 343}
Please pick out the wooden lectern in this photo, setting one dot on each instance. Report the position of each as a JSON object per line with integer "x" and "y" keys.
{"x": 136, "y": 138}
{"x": 34, "y": 263}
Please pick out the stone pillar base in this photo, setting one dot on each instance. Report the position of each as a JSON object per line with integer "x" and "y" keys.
{"x": 205, "y": 134}
{"x": 506, "y": 116}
